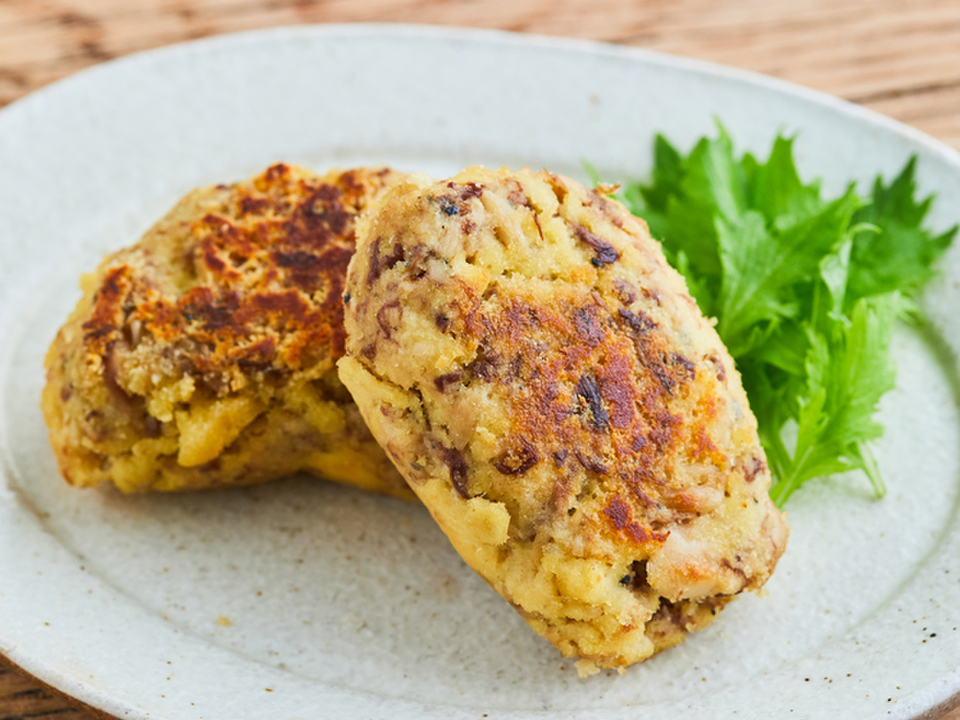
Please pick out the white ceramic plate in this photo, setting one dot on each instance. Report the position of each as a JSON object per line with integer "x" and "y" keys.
{"x": 307, "y": 600}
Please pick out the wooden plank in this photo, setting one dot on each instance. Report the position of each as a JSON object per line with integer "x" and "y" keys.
{"x": 868, "y": 52}
{"x": 22, "y": 697}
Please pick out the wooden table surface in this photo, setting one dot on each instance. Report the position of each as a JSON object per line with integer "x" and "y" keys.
{"x": 899, "y": 57}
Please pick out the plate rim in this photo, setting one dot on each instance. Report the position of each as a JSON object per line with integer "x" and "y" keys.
{"x": 494, "y": 36}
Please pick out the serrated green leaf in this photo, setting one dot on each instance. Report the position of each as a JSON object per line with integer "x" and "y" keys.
{"x": 761, "y": 266}
{"x": 666, "y": 176}
{"x": 835, "y": 271}
{"x": 775, "y": 190}
{"x": 805, "y": 290}
{"x": 897, "y": 253}
{"x": 847, "y": 376}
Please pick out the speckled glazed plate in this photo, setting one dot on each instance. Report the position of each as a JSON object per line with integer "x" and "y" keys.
{"x": 303, "y": 599}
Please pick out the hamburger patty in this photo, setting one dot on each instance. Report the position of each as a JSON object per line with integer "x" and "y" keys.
{"x": 204, "y": 355}
{"x": 549, "y": 389}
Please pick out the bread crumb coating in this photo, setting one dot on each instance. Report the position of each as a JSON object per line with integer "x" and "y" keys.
{"x": 542, "y": 378}
{"x": 204, "y": 355}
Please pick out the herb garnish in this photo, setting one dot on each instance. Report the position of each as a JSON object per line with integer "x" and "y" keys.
{"x": 805, "y": 290}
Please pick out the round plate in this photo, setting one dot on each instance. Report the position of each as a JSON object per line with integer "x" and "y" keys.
{"x": 302, "y": 599}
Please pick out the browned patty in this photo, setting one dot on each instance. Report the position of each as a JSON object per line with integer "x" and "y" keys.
{"x": 549, "y": 389}
{"x": 204, "y": 355}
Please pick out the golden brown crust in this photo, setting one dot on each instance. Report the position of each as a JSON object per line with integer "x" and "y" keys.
{"x": 203, "y": 356}
{"x": 544, "y": 381}
{"x": 259, "y": 279}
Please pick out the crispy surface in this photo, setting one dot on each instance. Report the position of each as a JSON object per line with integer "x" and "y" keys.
{"x": 550, "y": 390}
{"x": 204, "y": 355}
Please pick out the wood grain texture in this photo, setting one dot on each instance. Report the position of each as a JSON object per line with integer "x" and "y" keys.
{"x": 22, "y": 697}
{"x": 900, "y": 58}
